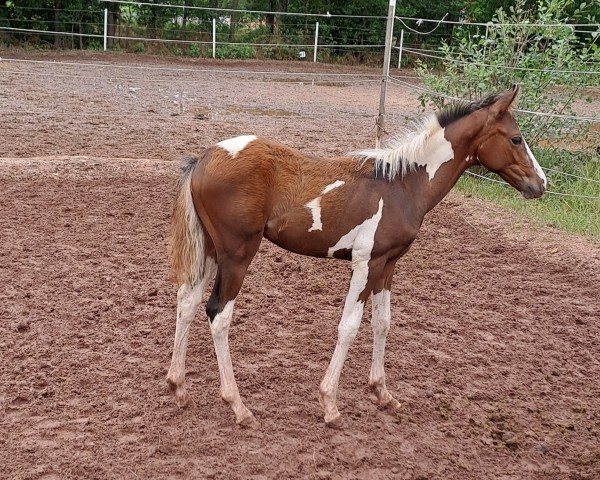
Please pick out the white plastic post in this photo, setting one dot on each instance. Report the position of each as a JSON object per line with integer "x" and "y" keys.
{"x": 486, "y": 37}
{"x": 389, "y": 30}
{"x": 316, "y": 42}
{"x": 214, "y": 37}
{"x": 400, "y": 48}
{"x": 105, "y": 27}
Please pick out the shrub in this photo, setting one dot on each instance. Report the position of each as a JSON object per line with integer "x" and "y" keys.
{"x": 238, "y": 52}
{"x": 194, "y": 50}
{"x": 513, "y": 53}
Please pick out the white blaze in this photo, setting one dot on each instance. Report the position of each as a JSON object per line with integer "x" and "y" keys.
{"x": 315, "y": 205}
{"x": 536, "y": 165}
{"x": 237, "y": 144}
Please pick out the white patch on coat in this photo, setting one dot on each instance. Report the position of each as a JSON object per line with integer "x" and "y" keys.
{"x": 360, "y": 239}
{"x": 315, "y": 209}
{"x": 428, "y": 148}
{"x": 331, "y": 186}
{"x": 237, "y": 144}
{"x": 315, "y": 205}
{"x": 536, "y": 165}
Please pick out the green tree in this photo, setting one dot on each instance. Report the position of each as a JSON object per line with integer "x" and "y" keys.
{"x": 552, "y": 65}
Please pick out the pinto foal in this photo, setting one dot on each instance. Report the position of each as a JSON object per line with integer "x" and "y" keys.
{"x": 366, "y": 207}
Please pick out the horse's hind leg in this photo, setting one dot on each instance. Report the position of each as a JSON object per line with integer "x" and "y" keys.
{"x": 380, "y": 321}
{"x": 188, "y": 301}
{"x": 230, "y": 275}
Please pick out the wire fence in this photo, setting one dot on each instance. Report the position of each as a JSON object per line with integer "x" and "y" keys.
{"x": 326, "y": 35}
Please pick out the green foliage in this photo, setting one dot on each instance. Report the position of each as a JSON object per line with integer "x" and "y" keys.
{"x": 94, "y": 45}
{"x": 194, "y": 50}
{"x": 139, "y": 47}
{"x": 548, "y": 63}
{"x": 70, "y": 16}
{"x": 238, "y": 52}
{"x": 281, "y": 53}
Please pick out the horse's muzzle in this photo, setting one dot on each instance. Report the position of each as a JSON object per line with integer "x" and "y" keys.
{"x": 533, "y": 191}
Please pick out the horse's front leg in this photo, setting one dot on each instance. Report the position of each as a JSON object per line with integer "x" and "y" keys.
{"x": 360, "y": 288}
{"x": 380, "y": 321}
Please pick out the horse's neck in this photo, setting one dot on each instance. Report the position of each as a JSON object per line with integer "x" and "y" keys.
{"x": 454, "y": 169}
{"x": 438, "y": 177}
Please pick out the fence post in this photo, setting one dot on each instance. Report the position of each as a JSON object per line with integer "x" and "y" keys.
{"x": 400, "y": 48}
{"x": 487, "y": 31}
{"x": 386, "y": 71}
{"x": 316, "y": 42}
{"x": 105, "y": 27}
{"x": 214, "y": 36}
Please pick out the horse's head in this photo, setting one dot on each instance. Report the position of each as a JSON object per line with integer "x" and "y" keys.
{"x": 503, "y": 150}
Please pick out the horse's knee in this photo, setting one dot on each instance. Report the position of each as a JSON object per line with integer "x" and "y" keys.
{"x": 347, "y": 333}
{"x": 381, "y": 328}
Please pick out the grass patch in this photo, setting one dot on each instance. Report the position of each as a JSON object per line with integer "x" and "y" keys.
{"x": 570, "y": 213}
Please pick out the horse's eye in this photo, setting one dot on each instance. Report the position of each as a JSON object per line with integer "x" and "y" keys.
{"x": 516, "y": 140}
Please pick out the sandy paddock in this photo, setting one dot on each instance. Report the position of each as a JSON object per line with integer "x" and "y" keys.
{"x": 495, "y": 341}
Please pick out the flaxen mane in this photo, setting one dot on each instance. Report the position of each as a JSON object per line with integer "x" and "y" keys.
{"x": 404, "y": 153}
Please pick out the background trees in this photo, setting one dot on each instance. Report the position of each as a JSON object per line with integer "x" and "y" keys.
{"x": 183, "y": 21}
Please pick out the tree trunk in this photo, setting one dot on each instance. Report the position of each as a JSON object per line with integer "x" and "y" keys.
{"x": 57, "y": 38}
{"x": 154, "y": 22}
{"x": 233, "y": 20}
{"x": 113, "y": 18}
{"x": 270, "y": 18}
{"x": 281, "y": 7}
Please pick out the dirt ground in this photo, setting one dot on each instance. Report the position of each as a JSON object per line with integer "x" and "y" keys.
{"x": 495, "y": 342}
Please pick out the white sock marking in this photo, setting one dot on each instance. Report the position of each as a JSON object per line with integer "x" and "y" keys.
{"x": 380, "y": 319}
{"x": 237, "y": 144}
{"x": 315, "y": 205}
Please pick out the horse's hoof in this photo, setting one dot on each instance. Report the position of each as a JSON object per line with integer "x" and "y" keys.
{"x": 336, "y": 423}
{"x": 249, "y": 423}
{"x": 393, "y": 404}
{"x": 182, "y": 398}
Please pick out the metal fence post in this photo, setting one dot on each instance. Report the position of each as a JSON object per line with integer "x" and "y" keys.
{"x": 316, "y": 42}
{"x": 105, "y": 27}
{"x": 214, "y": 37}
{"x": 400, "y": 48}
{"x": 386, "y": 71}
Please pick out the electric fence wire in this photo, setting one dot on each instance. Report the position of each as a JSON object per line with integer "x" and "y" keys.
{"x": 507, "y": 67}
{"x": 395, "y": 81}
{"x": 573, "y": 195}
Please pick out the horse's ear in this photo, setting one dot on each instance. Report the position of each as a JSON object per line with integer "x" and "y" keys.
{"x": 501, "y": 105}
